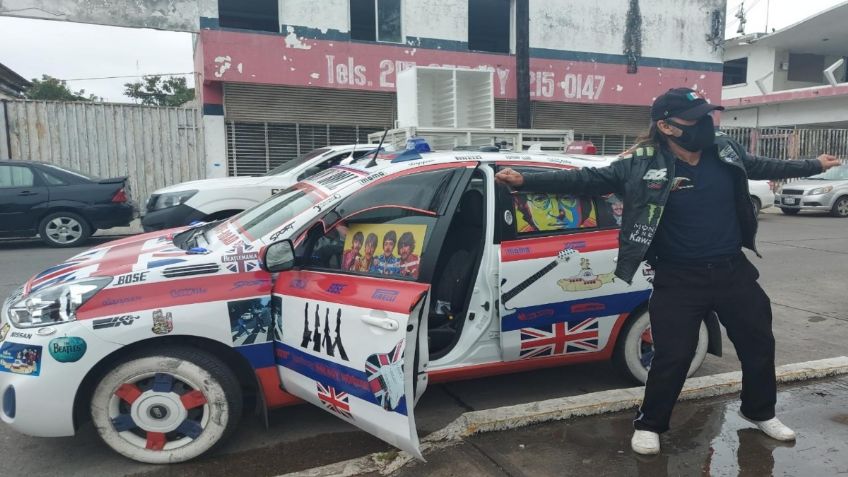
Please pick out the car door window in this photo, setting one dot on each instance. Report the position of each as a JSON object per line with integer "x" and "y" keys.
{"x": 16, "y": 176}
{"x": 535, "y": 214}
{"x": 53, "y": 179}
{"x": 381, "y": 230}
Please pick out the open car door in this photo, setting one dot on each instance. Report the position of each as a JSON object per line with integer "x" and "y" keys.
{"x": 348, "y": 344}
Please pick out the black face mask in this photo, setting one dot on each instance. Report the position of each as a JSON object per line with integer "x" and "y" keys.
{"x": 696, "y": 137}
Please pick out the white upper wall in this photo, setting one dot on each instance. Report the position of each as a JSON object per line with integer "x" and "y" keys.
{"x": 442, "y": 19}
{"x": 323, "y": 14}
{"x": 761, "y": 61}
{"x": 671, "y": 29}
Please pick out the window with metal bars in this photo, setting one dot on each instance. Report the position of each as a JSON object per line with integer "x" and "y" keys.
{"x": 256, "y": 148}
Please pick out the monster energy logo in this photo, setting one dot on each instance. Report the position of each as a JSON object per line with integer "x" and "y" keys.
{"x": 654, "y": 209}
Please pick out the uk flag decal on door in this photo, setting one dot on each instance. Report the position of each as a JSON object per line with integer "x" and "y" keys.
{"x": 335, "y": 402}
{"x": 560, "y": 338}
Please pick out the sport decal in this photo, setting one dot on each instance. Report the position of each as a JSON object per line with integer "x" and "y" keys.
{"x": 19, "y": 358}
{"x": 123, "y": 320}
{"x": 250, "y": 321}
{"x": 241, "y": 258}
{"x": 562, "y": 256}
{"x": 163, "y": 323}
{"x": 323, "y": 343}
{"x": 385, "y": 376}
{"x": 67, "y": 349}
{"x": 337, "y": 402}
{"x": 560, "y": 338}
{"x": 364, "y": 252}
{"x": 586, "y": 279}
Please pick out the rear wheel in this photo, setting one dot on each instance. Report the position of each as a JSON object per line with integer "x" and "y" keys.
{"x": 840, "y": 207}
{"x": 757, "y": 205}
{"x": 634, "y": 349}
{"x": 789, "y": 211}
{"x": 166, "y": 406}
{"x": 64, "y": 229}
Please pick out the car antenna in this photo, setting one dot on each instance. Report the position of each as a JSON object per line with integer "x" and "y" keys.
{"x": 379, "y": 146}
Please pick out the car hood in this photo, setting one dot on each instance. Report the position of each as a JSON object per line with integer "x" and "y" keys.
{"x": 132, "y": 254}
{"x": 221, "y": 183}
{"x": 812, "y": 184}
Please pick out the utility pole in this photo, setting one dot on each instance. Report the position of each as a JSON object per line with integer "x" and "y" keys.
{"x": 522, "y": 62}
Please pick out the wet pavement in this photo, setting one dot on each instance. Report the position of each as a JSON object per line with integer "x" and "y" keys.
{"x": 707, "y": 438}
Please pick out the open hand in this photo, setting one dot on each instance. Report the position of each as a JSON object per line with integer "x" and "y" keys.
{"x": 509, "y": 177}
{"x": 827, "y": 161}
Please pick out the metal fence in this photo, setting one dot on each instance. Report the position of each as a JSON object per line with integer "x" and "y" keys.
{"x": 792, "y": 143}
{"x": 154, "y": 146}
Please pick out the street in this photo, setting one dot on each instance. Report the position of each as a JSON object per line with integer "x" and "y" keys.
{"x": 803, "y": 270}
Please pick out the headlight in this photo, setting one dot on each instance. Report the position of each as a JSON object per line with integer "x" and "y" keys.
{"x": 820, "y": 190}
{"x": 57, "y": 304}
{"x": 173, "y": 199}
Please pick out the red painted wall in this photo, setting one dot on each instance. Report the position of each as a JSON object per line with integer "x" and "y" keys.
{"x": 279, "y": 60}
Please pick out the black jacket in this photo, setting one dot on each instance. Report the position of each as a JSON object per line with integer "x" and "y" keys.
{"x": 643, "y": 181}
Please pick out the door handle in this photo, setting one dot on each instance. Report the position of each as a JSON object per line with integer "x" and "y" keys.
{"x": 384, "y": 323}
{"x": 27, "y": 192}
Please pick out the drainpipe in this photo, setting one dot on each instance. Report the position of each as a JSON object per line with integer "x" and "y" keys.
{"x": 522, "y": 62}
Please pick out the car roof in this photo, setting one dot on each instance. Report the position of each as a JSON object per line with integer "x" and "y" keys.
{"x": 410, "y": 159}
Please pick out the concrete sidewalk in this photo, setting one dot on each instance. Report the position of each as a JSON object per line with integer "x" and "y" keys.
{"x": 707, "y": 438}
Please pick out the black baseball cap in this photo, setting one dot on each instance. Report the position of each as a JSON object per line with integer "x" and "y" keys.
{"x": 683, "y": 103}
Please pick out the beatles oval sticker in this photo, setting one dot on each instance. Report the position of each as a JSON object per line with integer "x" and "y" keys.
{"x": 67, "y": 349}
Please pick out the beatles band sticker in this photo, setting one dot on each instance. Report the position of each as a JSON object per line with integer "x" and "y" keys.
{"x": 384, "y": 249}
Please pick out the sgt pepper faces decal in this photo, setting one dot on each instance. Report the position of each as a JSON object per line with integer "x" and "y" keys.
{"x": 67, "y": 349}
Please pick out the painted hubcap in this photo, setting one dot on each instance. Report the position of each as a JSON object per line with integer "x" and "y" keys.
{"x": 646, "y": 348}
{"x": 159, "y": 412}
{"x": 64, "y": 230}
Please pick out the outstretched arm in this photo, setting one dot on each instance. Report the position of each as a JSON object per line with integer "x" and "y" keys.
{"x": 759, "y": 168}
{"x": 589, "y": 180}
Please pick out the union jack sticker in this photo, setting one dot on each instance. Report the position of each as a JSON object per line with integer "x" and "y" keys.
{"x": 560, "y": 338}
{"x": 335, "y": 401}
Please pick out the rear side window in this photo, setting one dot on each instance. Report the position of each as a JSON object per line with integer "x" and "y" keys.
{"x": 16, "y": 176}
{"x": 534, "y": 214}
{"x": 52, "y": 179}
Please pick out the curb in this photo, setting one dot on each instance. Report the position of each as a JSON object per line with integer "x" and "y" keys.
{"x": 510, "y": 417}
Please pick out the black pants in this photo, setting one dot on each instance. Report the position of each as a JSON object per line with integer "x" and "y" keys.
{"x": 683, "y": 296}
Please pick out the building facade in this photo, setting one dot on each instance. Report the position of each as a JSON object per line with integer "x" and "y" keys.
{"x": 280, "y": 77}
{"x": 794, "y": 77}
{"x": 12, "y": 85}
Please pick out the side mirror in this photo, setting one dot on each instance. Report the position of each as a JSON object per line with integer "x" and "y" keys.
{"x": 279, "y": 256}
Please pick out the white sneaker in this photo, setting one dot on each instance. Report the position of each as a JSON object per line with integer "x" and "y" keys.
{"x": 645, "y": 442}
{"x": 773, "y": 428}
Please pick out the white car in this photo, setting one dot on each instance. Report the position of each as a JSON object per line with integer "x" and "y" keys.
{"x": 209, "y": 200}
{"x": 761, "y": 195}
{"x": 365, "y": 283}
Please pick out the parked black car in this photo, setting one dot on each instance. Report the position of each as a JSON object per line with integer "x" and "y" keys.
{"x": 62, "y": 206}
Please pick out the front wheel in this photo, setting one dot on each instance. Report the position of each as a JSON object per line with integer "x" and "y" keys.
{"x": 635, "y": 348}
{"x": 166, "y": 406}
{"x": 757, "y": 206}
{"x": 840, "y": 207}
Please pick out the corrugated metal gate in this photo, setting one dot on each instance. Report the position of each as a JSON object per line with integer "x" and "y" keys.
{"x": 789, "y": 143}
{"x": 269, "y": 125}
{"x": 154, "y": 146}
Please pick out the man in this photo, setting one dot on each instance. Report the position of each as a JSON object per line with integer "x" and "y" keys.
{"x": 351, "y": 256}
{"x": 387, "y": 263}
{"x": 364, "y": 262}
{"x": 408, "y": 260}
{"x": 688, "y": 212}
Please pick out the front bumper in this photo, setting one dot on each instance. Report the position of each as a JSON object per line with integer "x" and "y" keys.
{"x": 43, "y": 396}
{"x": 821, "y": 202}
{"x": 171, "y": 217}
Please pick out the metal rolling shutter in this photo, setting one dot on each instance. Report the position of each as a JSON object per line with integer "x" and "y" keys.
{"x": 289, "y": 104}
{"x": 612, "y": 128}
{"x": 506, "y": 113}
{"x": 269, "y": 125}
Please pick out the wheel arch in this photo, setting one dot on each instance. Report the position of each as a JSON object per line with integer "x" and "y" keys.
{"x": 51, "y": 209}
{"x": 235, "y": 361}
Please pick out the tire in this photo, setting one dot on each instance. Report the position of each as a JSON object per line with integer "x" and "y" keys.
{"x": 757, "y": 205}
{"x": 634, "y": 348}
{"x": 197, "y": 406}
{"x": 64, "y": 229}
{"x": 790, "y": 211}
{"x": 840, "y": 207}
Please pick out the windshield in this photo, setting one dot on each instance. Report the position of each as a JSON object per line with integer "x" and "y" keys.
{"x": 839, "y": 173}
{"x": 274, "y": 212}
{"x": 287, "y": 166}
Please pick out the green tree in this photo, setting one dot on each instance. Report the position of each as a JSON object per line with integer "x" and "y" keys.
{"x": 53, "y": 89}
{"x": 156, "y": 91}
